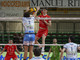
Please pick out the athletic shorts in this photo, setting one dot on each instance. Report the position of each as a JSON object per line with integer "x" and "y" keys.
{"x": 29, "y": 39}
{"x": 8, "y": 57}
{"x": 41, "y": 32}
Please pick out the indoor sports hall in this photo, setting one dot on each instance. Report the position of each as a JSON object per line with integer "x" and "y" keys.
{"x": 65, "y": 22}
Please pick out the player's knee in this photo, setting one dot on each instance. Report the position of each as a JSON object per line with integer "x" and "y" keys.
{"x": 36, "y": 38}
{"x": 31, "y": 51}
{"x": 25, "y": 51}
{"x": 16, "y": 59}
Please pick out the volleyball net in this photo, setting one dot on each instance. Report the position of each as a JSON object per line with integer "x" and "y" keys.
{"x": 61, "y": 29}
{"x": 52, "y": 18}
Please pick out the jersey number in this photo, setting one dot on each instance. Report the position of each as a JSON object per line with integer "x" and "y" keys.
{"x": 29, "y": 22}
{"x": 71, "y": 49}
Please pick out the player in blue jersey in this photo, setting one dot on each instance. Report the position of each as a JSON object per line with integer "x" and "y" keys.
{"x": 71, "y": 49}
{"x": 29, "y": 37}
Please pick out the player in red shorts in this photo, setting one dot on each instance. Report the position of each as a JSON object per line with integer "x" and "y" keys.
{"x": 43, "y": 28}
{"x": 10, "y": 51}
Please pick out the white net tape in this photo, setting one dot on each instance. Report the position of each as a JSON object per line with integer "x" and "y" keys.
{"x": 38, "y": 44}
{"x": 52, "y": 18}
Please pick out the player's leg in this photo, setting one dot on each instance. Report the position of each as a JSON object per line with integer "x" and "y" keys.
{"x": 7, "y": 57}
{"x": 38, "y": 36}
{"x": 43, "y": 42}
{"x": 26, "y": 43}
{"x": 30, "y": 52}
{"x": 32, "y": 41}
{"x": 25, "y": 52}
{"x": 36, "y": 39}
{"x": 15, "y": 57}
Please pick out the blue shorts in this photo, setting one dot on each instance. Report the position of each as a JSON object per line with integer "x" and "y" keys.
{"x": 29, "y": 39}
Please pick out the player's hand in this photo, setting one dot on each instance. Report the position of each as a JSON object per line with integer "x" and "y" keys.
{"x": 38, "y": 8}
{"x": 19, "y": 53}
{"x": 44, "y": 20}
{"x": 27, "y": 9}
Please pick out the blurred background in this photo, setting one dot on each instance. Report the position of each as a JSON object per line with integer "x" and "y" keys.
{"x": 56, "y": 8}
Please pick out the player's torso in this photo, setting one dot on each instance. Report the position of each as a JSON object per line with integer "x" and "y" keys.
{"x": 71, "y": 50}
{"x": 10, "y": 50}
{"x": 41, "y": 22}
{"x": 28, "y": 24}
{"x": 55, "y": 51}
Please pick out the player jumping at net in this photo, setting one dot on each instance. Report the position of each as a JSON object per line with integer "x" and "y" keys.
{"x": 71, "y": 49}
{"x": 10, "y": 51}
{"x": 29, "y": 37}
{"x": 55, "y": 51}
{"x": 43, "y": 29}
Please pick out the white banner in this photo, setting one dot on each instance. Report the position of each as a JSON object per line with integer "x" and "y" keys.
{"x": 56, "y": 3}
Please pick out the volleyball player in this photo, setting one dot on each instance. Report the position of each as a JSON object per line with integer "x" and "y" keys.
{"x": 43, "y": 29}
{"x": 55, "y": 51}
{"x": 37, "y": 53}
{"x": 10, "y": 51}
{"x": 71, "y": 49}
{"x": 29, "y": 37}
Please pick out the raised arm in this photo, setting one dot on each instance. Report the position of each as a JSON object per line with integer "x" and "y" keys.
{"x": 27, "y": 9}
{"x": 49, "y": 53}
{"x": 62, "y": 51}
{"x": 36, "y": 11}
{"x": 2, "y": 51}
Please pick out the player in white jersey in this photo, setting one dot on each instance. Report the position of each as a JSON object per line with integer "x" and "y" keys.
{"x": 71, "y": 50}
{"x": 37, "y": 53}
{"x": 29, "y": 37}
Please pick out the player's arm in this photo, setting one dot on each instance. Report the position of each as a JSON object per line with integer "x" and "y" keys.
{"x": 78, "y": 47}
{"x": 49, "y": 53}
{"x": 36, "y": 19}
{"x": 62, "y": 51}
{"x": 17, "y": 51}
{"x": 48, "y": 23}
{"x": 27, "y": 9}
{"x": 2, "y": 51}
{"x": 36, "y": 11}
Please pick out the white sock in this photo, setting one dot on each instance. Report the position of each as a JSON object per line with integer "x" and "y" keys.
{"x": 43, "y": 49}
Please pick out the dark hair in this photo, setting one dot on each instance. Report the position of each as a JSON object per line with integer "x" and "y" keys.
{"x": 45, "y": 8}
{"x": 27, "y": 14}
{"x": 10, "y": 40}
{"x": 72, "y": 38}
{"x": 37, "y": 51}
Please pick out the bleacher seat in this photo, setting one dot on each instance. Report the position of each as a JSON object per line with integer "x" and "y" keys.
{"x": 62, "y": 37}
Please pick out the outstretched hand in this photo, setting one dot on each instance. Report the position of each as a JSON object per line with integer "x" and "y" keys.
{"x": 38, "y": 8}
{"x": 27, "y": 9}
